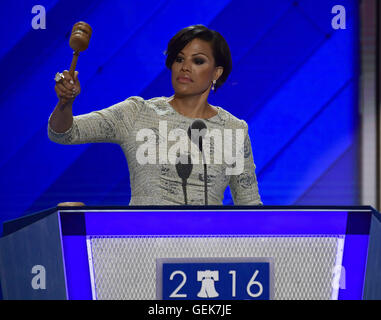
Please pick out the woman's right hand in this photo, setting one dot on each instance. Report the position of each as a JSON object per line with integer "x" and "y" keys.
{"x": 67, "y": 89}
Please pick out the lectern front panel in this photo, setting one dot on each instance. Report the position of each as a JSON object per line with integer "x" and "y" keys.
{"x": 304, "y": 266}
{"x": 317, "y": 255}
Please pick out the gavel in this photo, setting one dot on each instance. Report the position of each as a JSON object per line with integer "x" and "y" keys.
{"x": 79, "y": 41}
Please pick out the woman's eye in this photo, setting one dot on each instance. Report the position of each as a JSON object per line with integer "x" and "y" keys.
{"x": 196, "y": 61}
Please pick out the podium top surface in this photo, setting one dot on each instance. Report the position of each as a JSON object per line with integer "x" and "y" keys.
{"x": 188, "y": 220}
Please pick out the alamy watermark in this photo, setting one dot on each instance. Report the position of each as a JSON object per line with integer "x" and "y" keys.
{"x": 218, "y": 147}
{"x": 39, "y": 20}
{"x": 39, "y": 280}
{"x": 339, "y": 20}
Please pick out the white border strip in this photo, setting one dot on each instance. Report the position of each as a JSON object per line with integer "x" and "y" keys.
{"x": 368, "y": 32}
{"x": 338, "y": 268}
{"x": 91, "y": 267}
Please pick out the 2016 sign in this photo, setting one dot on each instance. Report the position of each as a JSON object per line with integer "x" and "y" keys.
{"x": 222, "y": 279}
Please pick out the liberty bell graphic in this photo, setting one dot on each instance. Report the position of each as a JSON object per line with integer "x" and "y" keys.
{"x": 207, "y": 279}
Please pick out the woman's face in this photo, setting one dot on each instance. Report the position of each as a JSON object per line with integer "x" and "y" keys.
{"x": 194, "y": 69}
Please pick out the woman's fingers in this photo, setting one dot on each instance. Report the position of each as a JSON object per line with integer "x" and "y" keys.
{"x": 67, "y": 81}
{"x": 68, "y": 88}
{"x": 77, "y": 85}
{"x": 70, "y": 83}
{"x": 64, "y": 90}
{"x": 67, "y": 76}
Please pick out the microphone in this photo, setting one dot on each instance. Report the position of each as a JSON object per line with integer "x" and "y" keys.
{"x": 197, "y": 125}
{"x": 184, "y": 168}
{"x": 200, "y": 125}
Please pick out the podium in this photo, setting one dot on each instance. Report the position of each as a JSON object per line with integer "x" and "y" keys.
{"x": 113, "y": 252}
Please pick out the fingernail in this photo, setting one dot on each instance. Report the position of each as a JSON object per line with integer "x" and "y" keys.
{"x": 71, "y": 81}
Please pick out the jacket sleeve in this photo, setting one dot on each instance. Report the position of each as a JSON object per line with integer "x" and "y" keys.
{"x": 111, "y": 125}
{"x": 244, "y": 186}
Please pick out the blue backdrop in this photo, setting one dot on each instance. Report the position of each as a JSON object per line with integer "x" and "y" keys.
{"x": 294, "y": 80}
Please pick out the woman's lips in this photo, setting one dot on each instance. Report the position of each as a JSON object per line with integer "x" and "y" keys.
{"x": 184, "y": 80}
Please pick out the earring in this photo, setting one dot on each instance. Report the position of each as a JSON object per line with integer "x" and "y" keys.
{"x": 214, "y": 82}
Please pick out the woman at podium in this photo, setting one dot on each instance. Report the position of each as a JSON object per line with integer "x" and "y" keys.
{"x": 180, "y": 149}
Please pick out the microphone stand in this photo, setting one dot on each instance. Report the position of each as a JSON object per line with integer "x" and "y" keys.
{"x": 200, "y": 125}
{"x": 184, "y": 170}
{"x": 205, "y": 174}
{"x": 184, "y": 184}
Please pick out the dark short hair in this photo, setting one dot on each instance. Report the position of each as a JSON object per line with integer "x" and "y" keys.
{"x": 220, "y": 48}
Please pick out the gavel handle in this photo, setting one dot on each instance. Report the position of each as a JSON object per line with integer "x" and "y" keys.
{"x": 73, "y": 63}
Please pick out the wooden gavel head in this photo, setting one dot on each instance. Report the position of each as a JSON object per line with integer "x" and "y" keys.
{"x": 80, "y": 36}
{"x": 79, "y": 41}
